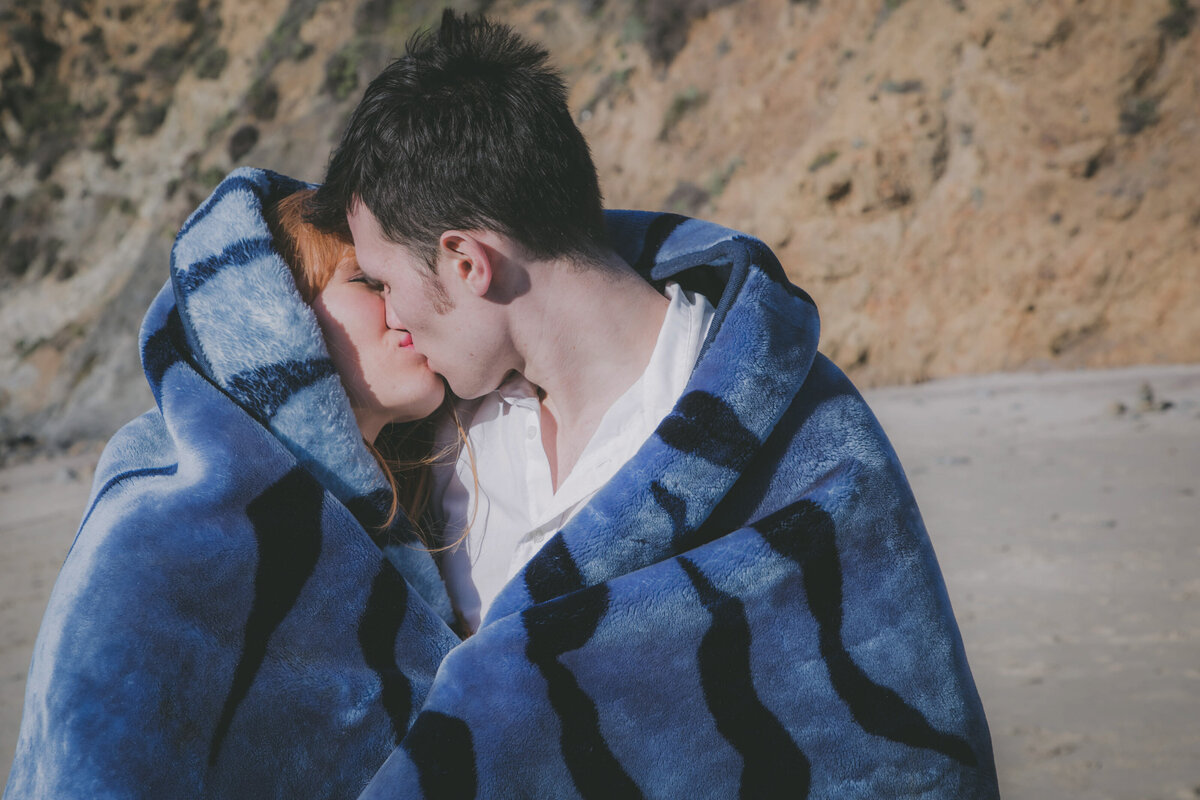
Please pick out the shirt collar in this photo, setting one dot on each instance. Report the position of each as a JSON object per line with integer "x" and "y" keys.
{"x": 516, "y": 390}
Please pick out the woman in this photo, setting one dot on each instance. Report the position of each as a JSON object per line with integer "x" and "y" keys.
{"x": 227, "y": 619}
{"x": 385, "y": 380}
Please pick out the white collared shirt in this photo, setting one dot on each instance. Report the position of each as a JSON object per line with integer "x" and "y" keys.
{"x": 517, "y": 509}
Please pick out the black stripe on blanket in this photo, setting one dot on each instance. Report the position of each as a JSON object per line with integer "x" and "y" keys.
{"x": 236, "y": 254}
{"x": 772, "y": 764}
{"x": 558, "y": 627}
{"x": 552, "y": 572}
{"x": 656, "y": 233}
{"x": 286, "y": 519}
{"x": 371, "y": 510}
{"x": 263, "y": 390}
{"x": 805, "y": 533}
{"x": 684, "y": 538}
{"x": 676, "y": 509}
{"x": 441, "y": 748}
{"x": 703, "y": 425}
{"x": 162, "y": 349}
{"x": 377, "y": 631}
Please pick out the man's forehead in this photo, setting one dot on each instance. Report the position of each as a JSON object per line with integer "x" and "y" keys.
{"x": 370, "y": 243}
{"x": 369, "y": 236}
{"x": 362, "y": 221}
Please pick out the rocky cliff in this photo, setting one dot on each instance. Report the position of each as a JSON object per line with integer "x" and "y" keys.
{"x": 962, "y": 185}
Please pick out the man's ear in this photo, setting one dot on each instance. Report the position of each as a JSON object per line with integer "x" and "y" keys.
{"x": 464, "y": 257}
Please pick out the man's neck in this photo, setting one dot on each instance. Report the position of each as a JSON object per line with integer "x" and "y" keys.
{"x": 587, "y": 341}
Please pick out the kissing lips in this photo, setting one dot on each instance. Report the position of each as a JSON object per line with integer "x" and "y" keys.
{"x": 405, "y": 338}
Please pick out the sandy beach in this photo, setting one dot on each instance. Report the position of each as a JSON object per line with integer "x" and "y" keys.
{"x": 1065, "y": 511}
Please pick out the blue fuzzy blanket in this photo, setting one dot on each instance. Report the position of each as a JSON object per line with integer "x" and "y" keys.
{"x": 750, "y": 608}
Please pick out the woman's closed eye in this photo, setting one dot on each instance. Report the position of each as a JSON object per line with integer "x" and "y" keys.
{"x": 370, "y": 283}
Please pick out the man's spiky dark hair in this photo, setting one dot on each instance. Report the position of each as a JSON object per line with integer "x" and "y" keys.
{"x": 468, "y": 130}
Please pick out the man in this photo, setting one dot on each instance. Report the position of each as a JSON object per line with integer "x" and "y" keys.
{"x": 691, "y": 562}
{"x": 511, "y": 276}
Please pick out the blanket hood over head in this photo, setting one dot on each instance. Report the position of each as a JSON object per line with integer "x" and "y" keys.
{"x": 247, "y": 330}
{"x": 224, "y": 625}
{"x": 750, "y": 608}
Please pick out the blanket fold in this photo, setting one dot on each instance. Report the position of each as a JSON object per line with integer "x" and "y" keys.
{"x": 750, "y": 608}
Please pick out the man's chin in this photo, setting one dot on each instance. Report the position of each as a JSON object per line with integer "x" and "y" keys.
{"x": 471, "y": 392}
{"x": 476, "y": 385}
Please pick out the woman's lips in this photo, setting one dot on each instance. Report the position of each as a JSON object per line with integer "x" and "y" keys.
{"x": 405, "y": 339}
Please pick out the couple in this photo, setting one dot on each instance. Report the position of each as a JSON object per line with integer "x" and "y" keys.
{"x": 658, "y": 546}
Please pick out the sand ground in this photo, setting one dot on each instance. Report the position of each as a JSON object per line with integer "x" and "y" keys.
{"x": 1065, "y": 511}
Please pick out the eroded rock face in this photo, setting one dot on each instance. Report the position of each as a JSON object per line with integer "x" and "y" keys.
{"x": 145, "y": 107}
{"x": 963, "y": 187}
